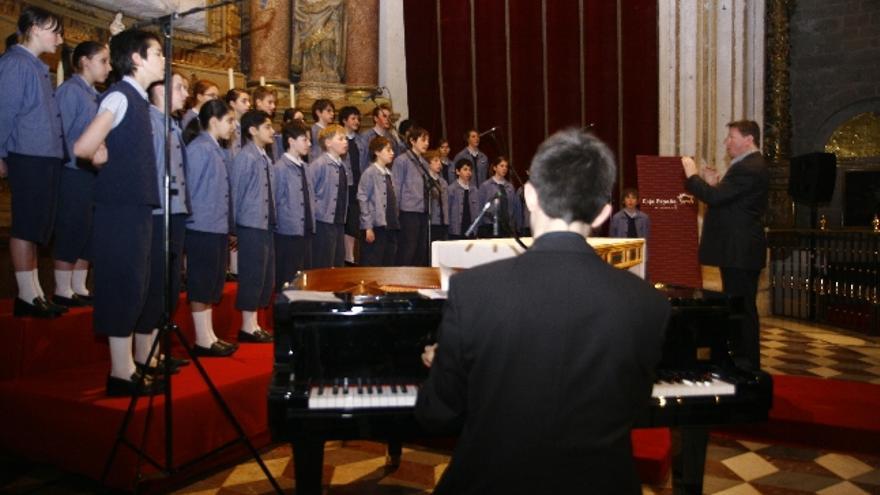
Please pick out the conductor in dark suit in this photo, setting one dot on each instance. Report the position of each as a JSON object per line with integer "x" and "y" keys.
{"x": 544, "y": 360}
{"x": 733, "y": 229}
{"x": 733, "y": 240}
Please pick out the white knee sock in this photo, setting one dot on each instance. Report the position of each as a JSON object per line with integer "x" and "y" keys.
{"x": 349, "y": 248}
{"x": 62, "y": 283}
{"x": 249, "y": 322}
{"x": 26, "y": 290}
{"x": 204, "y": 328}
{"x": 36, "y": 275}
{"x": 143, "y": 342}
{"x": 121, "y": 361}
{"x": 78, "y": 282}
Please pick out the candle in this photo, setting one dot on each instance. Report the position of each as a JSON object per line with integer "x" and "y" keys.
{"x": 231, "y": 78}
{"x": 59, "y": 74}
{"x": 262, "y": 80}
{"x": 292, "y": 96}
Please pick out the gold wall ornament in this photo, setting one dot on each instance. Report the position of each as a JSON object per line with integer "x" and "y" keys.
{"x": 858, "y": 137}
{"x": 777, "y": 109}
{"x": 217, "y": 48}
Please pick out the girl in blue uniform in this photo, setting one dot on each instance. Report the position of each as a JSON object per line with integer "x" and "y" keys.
{"x": 203, "y": 91}
{"x": 31, "y": 152}
{"x": 255, "y": 220}
{"x": 78, "y": 100}
{"x": 295, "y": 204}
{"x": 240, "y": 102}
{"x": 499, "y": 187}
{"x": 209, "y": 224}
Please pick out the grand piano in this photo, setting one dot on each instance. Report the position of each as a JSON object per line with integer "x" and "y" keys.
{"x": 347, "y": 361}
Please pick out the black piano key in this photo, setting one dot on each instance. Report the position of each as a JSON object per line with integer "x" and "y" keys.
{"x": 360, "y": 386}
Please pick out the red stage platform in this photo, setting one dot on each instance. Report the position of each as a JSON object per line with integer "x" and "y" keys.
{"x": 52, "y": 378}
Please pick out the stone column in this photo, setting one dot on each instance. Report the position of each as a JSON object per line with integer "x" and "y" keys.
{"x": 362, "y": 59}
{"x": 270, "y": 42}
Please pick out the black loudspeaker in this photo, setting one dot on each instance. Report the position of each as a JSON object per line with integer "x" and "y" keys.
{"x": 811, "y": 178}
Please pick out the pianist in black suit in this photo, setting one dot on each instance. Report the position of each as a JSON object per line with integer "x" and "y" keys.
{"x": 544, "y": 360}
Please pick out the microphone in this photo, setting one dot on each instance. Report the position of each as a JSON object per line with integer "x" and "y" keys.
{"x": 490, "y": 131}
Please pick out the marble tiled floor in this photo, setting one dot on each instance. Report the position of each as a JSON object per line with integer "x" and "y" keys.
{"x": 733, "y": 466}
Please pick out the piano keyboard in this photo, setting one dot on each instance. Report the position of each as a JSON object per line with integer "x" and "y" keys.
{"x": 683, "y": 384}
{"x": 361, "y": 394}
{"x": 369, "y": 394}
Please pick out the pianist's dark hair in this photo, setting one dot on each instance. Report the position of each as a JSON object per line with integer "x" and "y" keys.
{"x": 573, "y": 173}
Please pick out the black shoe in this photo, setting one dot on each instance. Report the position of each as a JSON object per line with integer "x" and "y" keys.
{"x": 56, "y": 308}
{"x": 118, "y": 387}
{"x": 38, "y": 309}
{"x": 259, "y": 336}
{"x": 178, "y": 362}
{"x": 88, "y": 299}
{"x": 74, "y": 301}
{"x": 159, "y": 369}
{"x": 216, "y": 350}
{"x": 232, "y": 345}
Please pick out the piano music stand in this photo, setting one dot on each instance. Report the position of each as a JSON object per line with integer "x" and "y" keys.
{"x": 166, "y": 27}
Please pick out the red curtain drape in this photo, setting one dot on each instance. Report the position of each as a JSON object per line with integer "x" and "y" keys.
{"x": 580, "y": 42}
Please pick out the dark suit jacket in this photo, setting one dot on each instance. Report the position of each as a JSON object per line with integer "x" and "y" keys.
{"x": 733, "y": 228}
{"x": 544, "y": 359}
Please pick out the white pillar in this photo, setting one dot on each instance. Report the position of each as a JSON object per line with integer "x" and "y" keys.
{"x": 711, "y": 58}
{"x": 392, "y": 54}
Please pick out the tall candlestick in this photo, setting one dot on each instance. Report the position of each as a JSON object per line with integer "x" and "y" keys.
{"x": 262, "y": 80}
{"x": 59, "y": 74}
{"x": 292, "y": 96}
{"x": 231, "y": 78}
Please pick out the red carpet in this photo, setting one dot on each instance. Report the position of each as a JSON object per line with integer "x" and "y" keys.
{"x": 820, "y": 413}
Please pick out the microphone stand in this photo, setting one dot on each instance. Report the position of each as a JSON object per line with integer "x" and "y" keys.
{"x": 476, "y": 223}
{"x": 167, "y": 326}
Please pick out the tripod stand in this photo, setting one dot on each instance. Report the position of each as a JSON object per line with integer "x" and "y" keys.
{"x": 167, "y": 326}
